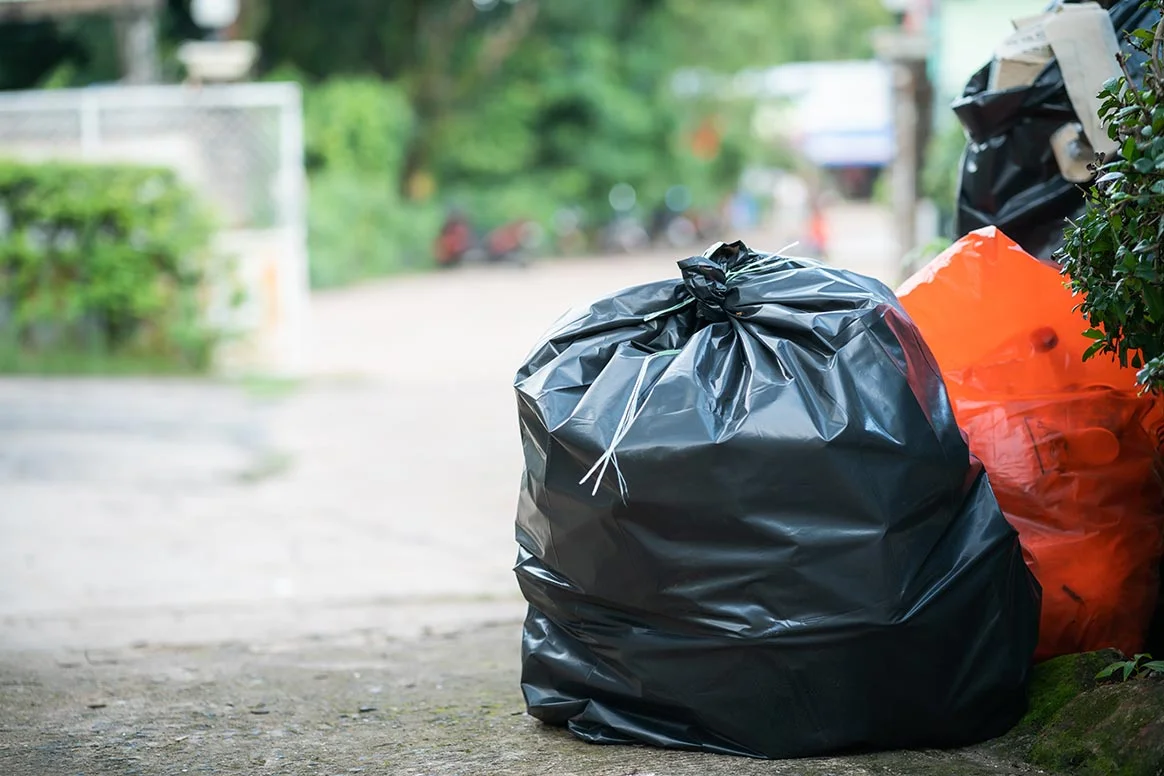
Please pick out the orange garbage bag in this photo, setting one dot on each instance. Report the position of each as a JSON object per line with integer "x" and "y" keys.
{"x": 1071, "y": 447}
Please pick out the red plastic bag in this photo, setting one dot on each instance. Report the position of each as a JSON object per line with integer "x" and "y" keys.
{"x": 1071, "y": 447}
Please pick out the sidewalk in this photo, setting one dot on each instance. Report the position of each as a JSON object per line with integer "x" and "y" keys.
{"x": 442, "y": 705}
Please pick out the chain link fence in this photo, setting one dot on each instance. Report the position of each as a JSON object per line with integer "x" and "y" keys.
{"x": 240, "y": 146}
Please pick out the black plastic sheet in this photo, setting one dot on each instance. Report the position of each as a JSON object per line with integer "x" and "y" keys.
{"x": 1009, "y": 175}
{"x": 750, "y": 525}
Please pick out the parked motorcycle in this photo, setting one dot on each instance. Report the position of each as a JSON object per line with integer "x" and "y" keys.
{"x": 459, "y": 243}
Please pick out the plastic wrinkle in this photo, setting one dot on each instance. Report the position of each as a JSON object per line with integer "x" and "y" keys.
{"x": 1071, "y": 447}
{"x": 795, "y": 523}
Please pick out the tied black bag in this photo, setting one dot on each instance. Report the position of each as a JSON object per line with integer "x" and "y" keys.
{"x": 750, "y": 525}
{"x": 1009, "y": 177}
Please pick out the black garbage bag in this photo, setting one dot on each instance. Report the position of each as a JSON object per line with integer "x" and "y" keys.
{"x": 1009, "y": 176}
{"x": 749, "y": 524}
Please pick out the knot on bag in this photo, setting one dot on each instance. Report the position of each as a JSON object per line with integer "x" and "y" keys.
{"x": 706, "y": 278}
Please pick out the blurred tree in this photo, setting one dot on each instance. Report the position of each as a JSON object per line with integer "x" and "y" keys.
{"x": 30, "y": 52}
{"x": 498, "y": 86}
{"x": 390, "y": 39}
{"x": 511, "y": 108}
{"x": 756, "y": 33}
{"x": 62, "y": 53}
{"x": 78, "y": 50}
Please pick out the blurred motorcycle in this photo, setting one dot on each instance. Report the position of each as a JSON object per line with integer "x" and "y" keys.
{"x": 458, "y": 243}
{"x": 624, "y": 234}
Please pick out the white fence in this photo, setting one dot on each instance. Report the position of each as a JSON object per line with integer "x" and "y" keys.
{"x": 240, "y": 145}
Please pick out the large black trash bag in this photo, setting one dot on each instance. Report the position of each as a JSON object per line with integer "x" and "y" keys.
{"x": 749, "y": 524}
{"x": 1009, "y": 176}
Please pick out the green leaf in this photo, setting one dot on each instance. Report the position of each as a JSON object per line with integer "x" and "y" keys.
{"x": 1155, "y": 666}
{"x": 1094, "y": 334}
{"x": 1130, "y": 110}
{"x": 1093, "y": 350}
{"x": 1107, "y": 672}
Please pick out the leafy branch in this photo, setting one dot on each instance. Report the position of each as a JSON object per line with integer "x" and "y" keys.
{"x": 1112, "y": 254}
{"x": 1141, "y": 666}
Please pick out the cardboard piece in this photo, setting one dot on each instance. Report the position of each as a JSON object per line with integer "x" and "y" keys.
{"x": 1020, "y": 58}
{"x": 1080, "y": 36}
{"x": 1023, "y": 22}
{"x": 1073, "y": 153}
{"x": 1014, "y": 72}
{"x": 1085, "y": 45}
{"x": 1026, "y": 41}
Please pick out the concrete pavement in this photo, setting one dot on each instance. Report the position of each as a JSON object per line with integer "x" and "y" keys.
{"x": 363, "y": 703}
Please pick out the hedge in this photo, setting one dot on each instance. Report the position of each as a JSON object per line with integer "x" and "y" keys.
{"x": 103, "y": 261}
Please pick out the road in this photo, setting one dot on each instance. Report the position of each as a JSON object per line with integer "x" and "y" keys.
{"x": 377, "y": 493}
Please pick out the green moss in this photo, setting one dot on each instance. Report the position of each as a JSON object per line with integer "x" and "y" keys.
{"x": 1113, "y": 730}
{"x": 1057, "y": 682}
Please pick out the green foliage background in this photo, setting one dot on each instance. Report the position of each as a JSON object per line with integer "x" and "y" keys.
{"x": 939, "y": 181}
{"x": 101, "y": 261}
{"x": 360, "y": 225}
{"x": 514, "y": 109}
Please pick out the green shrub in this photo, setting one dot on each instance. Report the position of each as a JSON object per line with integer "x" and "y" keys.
{"x": 527, "y": 149}
{"x": 105, "y": 261}
{"x": 358, "y": 125}
{"x": 1113, "y": 254}
{"x": 939, "y": 180}
{"x": 359, "y": 227}
{"x": 357, "y": 133}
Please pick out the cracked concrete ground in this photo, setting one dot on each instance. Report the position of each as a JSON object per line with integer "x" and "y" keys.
{"x": 309, "y": 578}
{"x": 446, "y": 703}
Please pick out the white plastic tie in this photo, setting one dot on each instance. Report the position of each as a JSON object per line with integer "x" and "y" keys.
{"x": 633, "y": 408}
{"x": 630, "y": 414}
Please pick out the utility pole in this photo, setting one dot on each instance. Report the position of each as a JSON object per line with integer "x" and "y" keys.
{"x": 137, "y": 40}
{"x": 906, "y": 49}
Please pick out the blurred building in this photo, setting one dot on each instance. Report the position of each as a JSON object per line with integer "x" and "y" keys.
{"x": 840, "y": 117}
